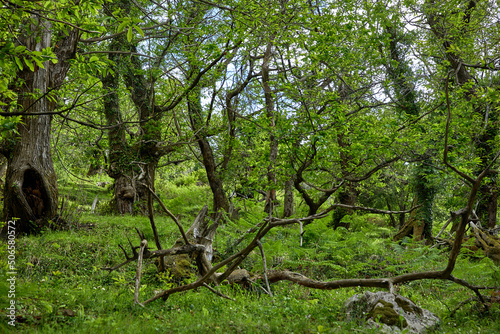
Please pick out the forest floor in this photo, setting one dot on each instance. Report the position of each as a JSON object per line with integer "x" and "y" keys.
{"x": 61, "y": 288}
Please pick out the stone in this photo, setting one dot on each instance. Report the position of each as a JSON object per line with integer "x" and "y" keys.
{"x": 391, "y": 313}
{"x": 238, "y": 276}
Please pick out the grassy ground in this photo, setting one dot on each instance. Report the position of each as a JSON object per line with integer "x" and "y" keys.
{"x": 61, "y": 288}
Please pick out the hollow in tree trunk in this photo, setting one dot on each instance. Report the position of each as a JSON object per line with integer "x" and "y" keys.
{"x": 31, "y": 194}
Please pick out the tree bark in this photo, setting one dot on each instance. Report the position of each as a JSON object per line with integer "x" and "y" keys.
{"x": 271, "y": 199}
{"x": 195, "y": 114}
{"x": 31, "y": 192}
{"x": 288, "y": 200}
{"x": 119, "y": 151}
{"x": 401, "y": 76}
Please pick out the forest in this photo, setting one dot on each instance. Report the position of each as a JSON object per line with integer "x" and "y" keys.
{"x": 258, "y": 166}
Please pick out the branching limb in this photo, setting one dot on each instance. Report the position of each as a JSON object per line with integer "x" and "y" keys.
{"x": 471, "y": 287}
{"x": 186, "y": 249}
{"x": 453, "y": 215}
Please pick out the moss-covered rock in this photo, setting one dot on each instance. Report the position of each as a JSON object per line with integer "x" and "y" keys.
{"x": 384, "y": 312}
{"x": 391, "y": 313}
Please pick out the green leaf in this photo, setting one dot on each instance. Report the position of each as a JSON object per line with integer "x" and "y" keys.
{"x": 129, "y": 34}
{"x": 39, "y": 63}
{"x": 19, "y": 63}
{"x": 29, "y": 64}
{"x": 93, "y": 59}
{"x": 139, "y": 30}
{"x": 121, "y": 27}
{"x": 19, "y": 49}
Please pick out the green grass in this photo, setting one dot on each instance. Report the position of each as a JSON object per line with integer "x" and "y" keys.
{"x": 61, "y": 288}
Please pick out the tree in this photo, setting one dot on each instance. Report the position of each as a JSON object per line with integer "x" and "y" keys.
{"x": 405, "y": 96}
{"x": 46, "y": 46}
{"x": 469, "y": 64}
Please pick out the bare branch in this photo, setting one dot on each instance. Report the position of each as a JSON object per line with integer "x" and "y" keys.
{"x": 144, "y": 245}
{"x": 169, "y": 213}
{"x": 217, "y": 292}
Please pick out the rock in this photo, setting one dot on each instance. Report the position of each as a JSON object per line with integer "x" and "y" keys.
{"x": 238, "y": 276}
{"x": 391, "y": 313}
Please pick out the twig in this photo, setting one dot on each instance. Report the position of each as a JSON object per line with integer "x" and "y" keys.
{"x": 217, "y": 292}
{"x": 186, "y": 249}
{"x": 264, "y": 262}
{"x": 144, "y": 244}
{"x": 453, "y": 216}
{"x": 169, "y": 213}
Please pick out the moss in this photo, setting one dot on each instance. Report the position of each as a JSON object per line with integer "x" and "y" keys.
{"x": 179, "y": 265}
{"x": 407, "y": 307}
{"x": 387, "y": 315}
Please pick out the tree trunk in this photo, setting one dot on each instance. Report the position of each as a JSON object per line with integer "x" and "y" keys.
{"x": 402, "y": 77}
{"x": 347, "y": 196}
{"x": 31, "y": 193}
{"x": 485, "y": 141}
{"x": 119, "y": 151}
{"x": 271, "y": 199}
{"x": 197, "y": 125}
{"x": 288, "y": 201}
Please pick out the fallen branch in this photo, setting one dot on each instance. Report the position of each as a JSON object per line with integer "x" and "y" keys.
{"x": 167, "y": 211}
{"x": 144, "y": 245}
{"x": 185, "y": 249}
{"x": 217, "y": 292}
{"x": 264, "y": 264}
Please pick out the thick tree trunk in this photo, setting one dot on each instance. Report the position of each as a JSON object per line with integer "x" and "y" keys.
{"x": 119, "y": 151}
{"x": 347, "y": 196}
{"x": 31, "y": 193}
{"x": 31, "y": 184}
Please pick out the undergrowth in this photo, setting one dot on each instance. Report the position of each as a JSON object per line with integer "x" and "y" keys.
{"x": 62, "y": 289}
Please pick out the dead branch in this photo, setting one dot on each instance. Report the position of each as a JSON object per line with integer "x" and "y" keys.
{"x": 144, "y": 245}
{"x": 217, "y": 292}
{"x": 153, "y": 225}
{"x": 185, "y": 249}
{"x": 174, "y": 218}
{"x": 264, "y": 263}
{"x": 453, "y": 216}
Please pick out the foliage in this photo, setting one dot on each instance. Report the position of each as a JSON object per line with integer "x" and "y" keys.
{"x": 354, "y": 102}
{"x": 62, "y": 289}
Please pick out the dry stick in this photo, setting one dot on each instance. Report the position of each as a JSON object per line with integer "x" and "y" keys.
{"x": 453, "y": 215}
{"x": 250, "y": 230}
{"x": 217, "y": 292}
{"x": 265, "y": 268}
{"x": 238, "y": 257}
{"x": 169, "y": 213}
{"x": 144, "y": 244}
{"x": 386, "y": 283}
{"x": 155, "y": 231}
{"x": 186, "y": 249}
